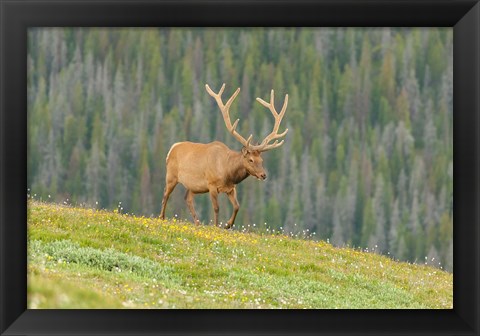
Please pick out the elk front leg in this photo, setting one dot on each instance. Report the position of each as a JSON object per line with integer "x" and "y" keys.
{"x": 214, "y": 198}
{"x": 232, "y": 196}
{"x": 189, "y": 198}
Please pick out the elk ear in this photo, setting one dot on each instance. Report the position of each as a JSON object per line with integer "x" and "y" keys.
{"x": 245, "y": 151}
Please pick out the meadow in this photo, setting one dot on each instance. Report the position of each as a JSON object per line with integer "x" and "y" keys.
{"x": 88, "y": 258}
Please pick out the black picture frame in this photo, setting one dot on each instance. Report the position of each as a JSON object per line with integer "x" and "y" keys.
{"x": 16, "y": 16}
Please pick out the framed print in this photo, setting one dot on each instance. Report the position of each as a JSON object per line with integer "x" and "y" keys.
{"x": 134, "y": 199}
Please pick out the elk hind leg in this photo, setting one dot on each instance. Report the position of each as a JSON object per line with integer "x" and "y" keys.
{"x": 214, "y": 198}
{"x": 170, "y": 185}
{"x": 191, "y": 205}
{"x": 232, "y": 196}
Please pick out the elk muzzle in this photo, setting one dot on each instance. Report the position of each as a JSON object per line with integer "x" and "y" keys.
{"x": 262, "y": 176}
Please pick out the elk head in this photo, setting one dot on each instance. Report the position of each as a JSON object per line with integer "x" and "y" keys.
{"x": 253, "y": 163}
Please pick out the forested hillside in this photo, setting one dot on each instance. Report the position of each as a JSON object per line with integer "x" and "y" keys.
{"x": 367, "y": 162}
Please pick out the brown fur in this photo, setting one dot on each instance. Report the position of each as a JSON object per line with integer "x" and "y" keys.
{"x": 212, "y": 168}
{"x": 215, "y": 168}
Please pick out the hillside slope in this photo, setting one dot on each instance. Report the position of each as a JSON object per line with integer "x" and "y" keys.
{"x": 84, "y": 258}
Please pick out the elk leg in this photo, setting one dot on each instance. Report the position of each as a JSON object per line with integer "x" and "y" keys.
{"x": 232, "y": 196}
{"x": 189, "y": 198}
{"x": 168, "y": 190}
{"x": 214, "y": 198}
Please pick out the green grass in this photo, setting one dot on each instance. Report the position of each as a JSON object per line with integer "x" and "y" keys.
{"x": 84, "y": 258}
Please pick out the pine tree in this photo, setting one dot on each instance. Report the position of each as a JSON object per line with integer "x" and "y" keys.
{"x": 95, "y": 176}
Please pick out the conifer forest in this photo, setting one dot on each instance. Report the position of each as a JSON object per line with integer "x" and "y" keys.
{"x": 367, "y": 161}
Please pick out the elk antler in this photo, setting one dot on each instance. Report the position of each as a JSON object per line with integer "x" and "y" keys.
{"x": 265, "y": 145}
{"x": 225, "y": 109}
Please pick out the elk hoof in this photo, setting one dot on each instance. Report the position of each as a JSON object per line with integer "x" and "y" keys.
{"x": 228, "y": 226}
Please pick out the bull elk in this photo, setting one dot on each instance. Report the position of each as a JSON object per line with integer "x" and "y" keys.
{"x": 215, "y": 168}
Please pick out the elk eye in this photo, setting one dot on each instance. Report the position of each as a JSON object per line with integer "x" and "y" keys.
{"x": 251, "y": 160}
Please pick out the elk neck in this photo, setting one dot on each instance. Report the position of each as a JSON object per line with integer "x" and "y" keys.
{"x": 236, "y": 170}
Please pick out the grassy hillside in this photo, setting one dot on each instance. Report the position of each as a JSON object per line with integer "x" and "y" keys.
{"x": 83, "y": 258}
